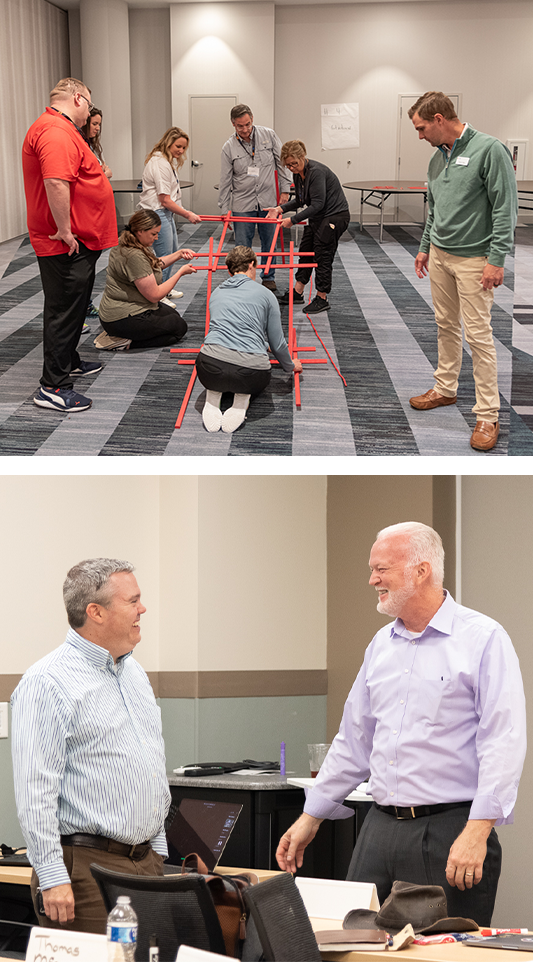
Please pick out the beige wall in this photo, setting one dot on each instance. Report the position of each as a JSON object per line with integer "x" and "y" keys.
{"x": 369, "y": 53}
{"x": 497, "y": 560}
{"x": 232, "y": 569}
{"x": 223, "y": 48}
{"x": 358, "y": 507}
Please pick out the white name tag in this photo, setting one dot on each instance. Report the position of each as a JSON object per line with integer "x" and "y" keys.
{"x": 463, "y": 161}
{"x": 253, "y": 172}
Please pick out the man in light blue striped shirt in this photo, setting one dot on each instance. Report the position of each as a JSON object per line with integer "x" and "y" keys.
{"x": 88, "y": 753}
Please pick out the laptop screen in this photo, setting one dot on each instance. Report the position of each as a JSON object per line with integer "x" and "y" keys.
{"x": 200, "y": 826}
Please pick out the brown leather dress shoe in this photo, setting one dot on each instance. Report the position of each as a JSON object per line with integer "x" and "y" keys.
{"x": 431, "y": 399}
{"x": 485, "y": 435}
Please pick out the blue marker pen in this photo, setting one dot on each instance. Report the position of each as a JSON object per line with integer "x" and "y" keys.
{"x": 282, "y": 759}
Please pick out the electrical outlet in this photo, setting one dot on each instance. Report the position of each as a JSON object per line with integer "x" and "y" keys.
{"x": 4, "y": 728}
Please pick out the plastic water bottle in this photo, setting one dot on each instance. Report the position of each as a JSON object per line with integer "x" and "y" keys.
{"x": 122, "y": 932}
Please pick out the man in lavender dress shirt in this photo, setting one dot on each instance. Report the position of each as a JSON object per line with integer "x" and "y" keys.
{"x": 436, "y": 719}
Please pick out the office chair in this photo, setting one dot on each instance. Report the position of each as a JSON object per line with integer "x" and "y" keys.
{"x": 281, "y": 920}
{"x": 176, "y": 909}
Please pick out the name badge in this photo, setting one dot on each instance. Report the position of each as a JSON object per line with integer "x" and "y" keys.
{"x": 253, "y": 172}
{"x": 463, "y": 161}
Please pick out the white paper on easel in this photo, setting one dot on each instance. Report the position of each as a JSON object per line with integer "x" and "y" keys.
{"x": 340, "y": 126}
{"x": 331, "y": 899}
{"x": 47, "y": 944}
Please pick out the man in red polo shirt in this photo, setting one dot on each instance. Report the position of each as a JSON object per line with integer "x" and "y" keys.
{"x": 71, "y": 219}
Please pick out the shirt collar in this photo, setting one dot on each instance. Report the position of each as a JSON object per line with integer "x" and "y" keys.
{"x": 441, "y": 621}
{"x": 95, "y": 654}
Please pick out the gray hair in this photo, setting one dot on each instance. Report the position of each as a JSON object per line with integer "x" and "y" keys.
{"x": 87, "y": 582}
{"x": 425, "y": 545}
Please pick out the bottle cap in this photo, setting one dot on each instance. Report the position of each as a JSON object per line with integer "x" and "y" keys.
{"x": 123, "y": 899}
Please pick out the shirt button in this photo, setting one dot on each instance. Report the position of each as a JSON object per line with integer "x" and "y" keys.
{"x": 391, "y": 762}
{"x": 391, "y": 794}
{"x": 413, "y": 641}
{"x": 395, "y": 732}
{"x": 401, "y": 702}
{"x": 406, "y": 670}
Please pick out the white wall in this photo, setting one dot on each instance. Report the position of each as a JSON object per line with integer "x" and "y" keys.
{"x": 223, "y": 48}
{"x": 370, "y": 53}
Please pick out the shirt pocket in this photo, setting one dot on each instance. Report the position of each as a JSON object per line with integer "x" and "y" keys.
{"x": 435, "y": 700}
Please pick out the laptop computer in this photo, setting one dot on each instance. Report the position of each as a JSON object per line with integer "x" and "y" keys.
{"x": 200, "y": 826}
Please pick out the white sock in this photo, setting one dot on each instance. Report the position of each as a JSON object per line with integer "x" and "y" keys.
{"x": 212, "y": 415}
{"x": 234, "y": 416}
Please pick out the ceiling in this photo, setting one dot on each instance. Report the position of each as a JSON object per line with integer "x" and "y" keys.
{"x": 72, "y": 4}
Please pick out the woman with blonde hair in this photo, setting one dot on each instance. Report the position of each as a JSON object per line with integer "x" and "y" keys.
{"x": 161, "y": 190}
{"x": 131, "y": 309}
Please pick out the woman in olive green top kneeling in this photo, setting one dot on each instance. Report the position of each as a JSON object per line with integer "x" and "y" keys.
{"x": 131, "y": 308}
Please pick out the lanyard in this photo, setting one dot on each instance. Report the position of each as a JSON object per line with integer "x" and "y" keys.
{"x": 252, "y": 155}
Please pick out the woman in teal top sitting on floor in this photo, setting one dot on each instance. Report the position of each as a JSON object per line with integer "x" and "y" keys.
{"x": 245, "y": 322}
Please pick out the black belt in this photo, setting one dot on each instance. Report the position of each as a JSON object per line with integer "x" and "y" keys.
{"x": 137, "y": 851}
{"x": 412, "y": 812}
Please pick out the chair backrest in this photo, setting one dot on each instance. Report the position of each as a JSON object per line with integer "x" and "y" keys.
{"x": 281, "y": 919}
{"x": 176, "y": 909}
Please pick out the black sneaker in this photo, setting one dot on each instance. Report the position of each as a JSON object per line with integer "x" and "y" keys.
{"x": 297, "y": 298}
{"x": 87, "y": 368}
{"x": 317, "y": 305}
{"x": 62, "y": 399}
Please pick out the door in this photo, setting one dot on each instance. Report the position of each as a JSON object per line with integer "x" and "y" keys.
{"x": 413, "y": 158}
{"x": 210, "y": 129}
{"x": 414, "y": 154}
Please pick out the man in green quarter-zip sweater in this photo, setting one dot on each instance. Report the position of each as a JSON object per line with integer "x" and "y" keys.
{"x": 473, "y": 206}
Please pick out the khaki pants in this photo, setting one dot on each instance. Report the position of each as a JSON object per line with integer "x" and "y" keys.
{"x": 457, "y": 293}
{"x": 91, "y": 914}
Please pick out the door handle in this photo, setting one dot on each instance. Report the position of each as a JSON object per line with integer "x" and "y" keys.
{"x": 196, "y": 164}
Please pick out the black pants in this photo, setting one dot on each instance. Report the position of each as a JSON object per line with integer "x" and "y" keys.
{"x": 151, "y": 329}
{"x": 67, "y": 284}
{"x": 416, "y": 851}
{"x": 322, "y": 237}
{"x": 218, "y": 375}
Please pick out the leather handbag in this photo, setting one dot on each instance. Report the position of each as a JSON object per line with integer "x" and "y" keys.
{"x": 226, "y": 892}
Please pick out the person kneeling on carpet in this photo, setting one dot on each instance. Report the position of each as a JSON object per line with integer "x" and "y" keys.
{"x": 132, "y": 308}
{"x": 245, "y": 323}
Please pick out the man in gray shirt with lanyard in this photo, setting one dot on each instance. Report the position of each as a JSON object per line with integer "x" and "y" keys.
{"x": 247, "y": 183}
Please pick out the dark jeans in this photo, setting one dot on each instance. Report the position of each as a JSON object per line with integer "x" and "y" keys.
{"x": 150, "y": 329}
{"x": 89, "y": 909}
{"x": 416, "y": 851}
{"x": 218, "y": 375}
{"x": 67, "y": 284}
{"x": 323, "y": 238}
{"x": 244, "y": 234}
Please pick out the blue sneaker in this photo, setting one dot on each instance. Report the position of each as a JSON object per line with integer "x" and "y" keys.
{"x": 92, "y": 312}
{"x": 62, "y": 399}
{"x": 85, "y": 329}
{"x": 87, "y": 368}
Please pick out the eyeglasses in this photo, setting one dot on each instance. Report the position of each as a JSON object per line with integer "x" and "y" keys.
{"x": 91, "y": 106}
{"x": 243, "y": 126}
{"x": 291, "y": 164}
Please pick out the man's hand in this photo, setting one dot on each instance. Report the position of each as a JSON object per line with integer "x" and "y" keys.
{"x": 298, "y": 367}
{"x": 492, "y": 277}
{"x": 421, "y": 264}
{"x": 59, "y": 903}
{"x": 273, "y": 213}
{"x": 290, "y": 852}
{"x": 58, "y": 197}
{"x": 467, "y": 854}
{"x": 283, "y": 198}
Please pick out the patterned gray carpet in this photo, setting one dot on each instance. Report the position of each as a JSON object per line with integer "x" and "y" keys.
{"x": 379, "y": 331}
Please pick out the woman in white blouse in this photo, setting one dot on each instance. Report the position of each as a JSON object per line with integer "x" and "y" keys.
{"x": 161, "y": 190}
